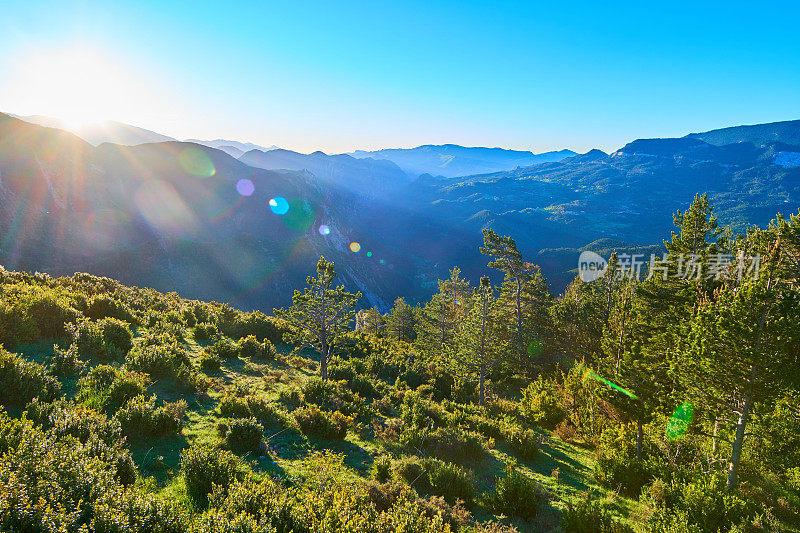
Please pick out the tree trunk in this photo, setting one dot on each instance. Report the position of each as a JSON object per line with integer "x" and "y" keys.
{"x": 639, "y": 434}
{"x": 715, "y": 439}
{"x": 738, "y": 443}
{"x": 323, "y": 363}
{"x": 481, "y": 386}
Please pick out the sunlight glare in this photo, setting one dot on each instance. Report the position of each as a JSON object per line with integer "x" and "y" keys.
{"x": 79, "y": 85}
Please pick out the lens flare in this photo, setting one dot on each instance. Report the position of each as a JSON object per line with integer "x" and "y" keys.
{"x": 324, "y": 230}
{"x": 355, "y": 247}
{"x": 245, "y": 187}
{"x": 369, "y": 254}
{"x": 535, "y": 348}
{"x": 680, "y": 420}
{"x": 279, "y": 205}
{"x": 196, "y": 162}
{"x": 300, "y": 214}
{"x": 383, "y": 261}
{"x": 590, "y": 374}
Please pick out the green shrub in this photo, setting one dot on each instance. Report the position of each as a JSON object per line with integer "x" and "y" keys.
{"x": 65, "y": 363}
{"x": 116, "y": 335}
{"x": 524, "y": 442}
{"x": 261, "y": 326}
{"x": 224, "y": 348}
{"x": 589, "y": 515}
{"x": 107, "y": 388}
{"x": 616, "y": 466}
{"x": 515, "y": 494}
{"x": 411, "y": 470}
{"x": 204, "y": 332}
{"x": 51, "y": 315}
{"x": 140, "y": 417}
{"x": 452, "y": 444}
{"x": 382, "y": 468}
{"x": 106, "y": 307}
{"x": 210, "y": 364}
{"x": 203, "y": 467}
{"x": 21, "y": 381}
{"x": 541, "y": 403}
{"x": 164, "y": 361}
{"x": 333, "y": 396}
{"x": 53, "y": 483}
{"x": 707, "y": 504}
{"x": 250, "y": 347}
{"x": 451, "y": 482}
{"x": 316, "y": 423}
{"x": 244, "y": 435}
{"x": 88, "y": 339}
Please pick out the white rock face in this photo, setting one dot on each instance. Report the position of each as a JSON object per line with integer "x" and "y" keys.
{"x": 787, "y": 159}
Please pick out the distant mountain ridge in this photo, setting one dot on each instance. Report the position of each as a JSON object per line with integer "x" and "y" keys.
{"x": 787, "y": 132}
{"x": 232, "y": 148}
{"x": 368, "y": 177}
{"x": 182, "y": 216}
{"x": 109, "y": 131}
{"x": 451, "y": 160}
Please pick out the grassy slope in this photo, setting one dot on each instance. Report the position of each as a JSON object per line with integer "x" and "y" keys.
{"x": 564, "y": 468}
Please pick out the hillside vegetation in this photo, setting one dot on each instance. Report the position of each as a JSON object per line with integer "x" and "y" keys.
{"x": 660, "y": 404}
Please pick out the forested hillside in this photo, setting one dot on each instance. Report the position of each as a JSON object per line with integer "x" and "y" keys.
{"x": 661, "y": 402}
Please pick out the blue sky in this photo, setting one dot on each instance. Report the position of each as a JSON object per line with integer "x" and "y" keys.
{"x": 345, "y": 75}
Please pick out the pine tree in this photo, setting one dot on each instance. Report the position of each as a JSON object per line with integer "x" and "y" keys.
{"x": 402, "y": 321}
{"x": 320, "y": 316}
{"x": 518, "y": 274}
{"x": 476, "y": 350}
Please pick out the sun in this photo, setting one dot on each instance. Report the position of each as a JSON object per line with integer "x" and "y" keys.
{"x": 79, "y": 85}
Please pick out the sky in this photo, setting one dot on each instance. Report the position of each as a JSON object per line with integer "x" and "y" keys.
{"x": 339, "y": 76}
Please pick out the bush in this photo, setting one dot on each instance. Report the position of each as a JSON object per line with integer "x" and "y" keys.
{"x": 316, "y": 423}
{"x": 21, "y": 381}
{"x": 203, "y": 467}
{"x": 106, "y": 388}
{"x": 588, "y": 515}
{"x": 243, "y": 435}
{"x": 411, "y": 470}
{"x": 106, "y": 307}
{"x": 451, "y": 482}
{"x": 260, "y": 326}
{"x": 60, "y": 484}
{"x": 452, "y": 444}
{"x": 250, "y": 347}
{"x": 164, "y": 360}
{"x": 706, "y": 504}
{"x": 382, "y": 468}
{"x": 204, "y": 332}
{"x": 140, "y": 417}
{"x": 524, "y": 442}
{"x": 541, "y": 403}
{"x": 224, "y": 348}
{"x": 515, "y": 494}
{"x": 117, "y": 338}
{"x": 616, "y": 466}
{"x": 51, "y": 315}
{"x": 65, "y": 362}
{"x": 210, "y": 364}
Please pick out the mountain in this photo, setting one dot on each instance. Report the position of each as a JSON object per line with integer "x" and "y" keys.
{"x": 369, "y": 177}
{"x": 787, "y": 132}
{"x": 185, "y": 217}
{"x": 232, "y": 148}
{"x": 105, "y": 132}
{"x": 451, "y": 160}
{"x": 173, "y": 216}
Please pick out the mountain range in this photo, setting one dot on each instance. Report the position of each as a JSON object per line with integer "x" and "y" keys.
{"x": 191, "y": 218}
